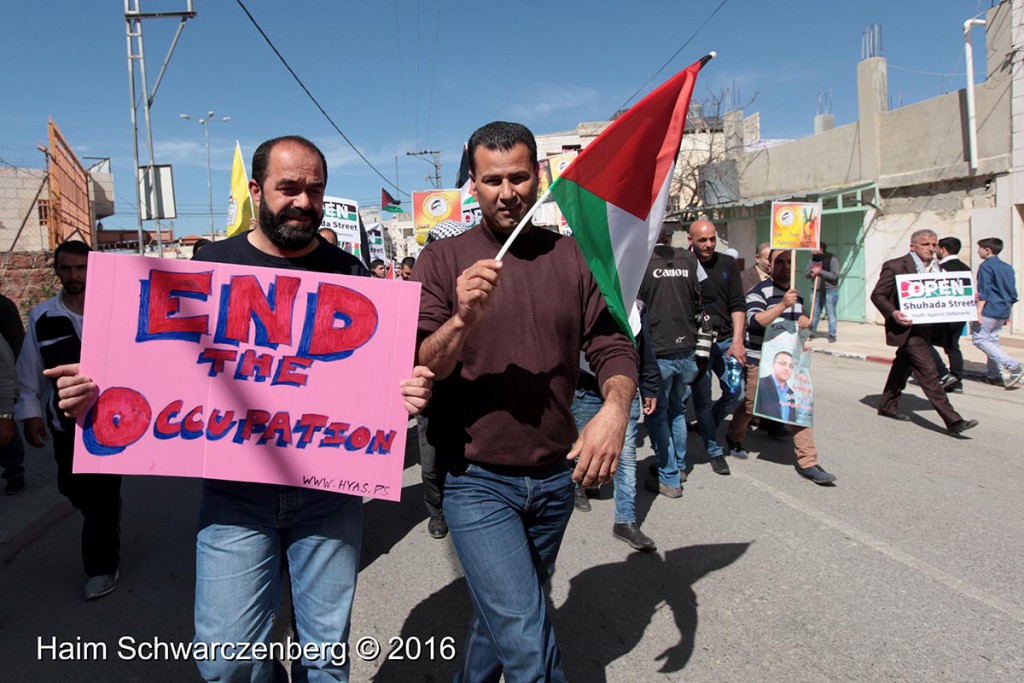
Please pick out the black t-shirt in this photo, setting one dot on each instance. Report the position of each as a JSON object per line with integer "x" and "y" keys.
{"x": 326, "y": 258}
{"x": 728, "y": 298}
{"x": 670, "y": 292}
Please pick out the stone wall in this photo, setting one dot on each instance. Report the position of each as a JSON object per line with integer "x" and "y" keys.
{"x": 27, "y": 278}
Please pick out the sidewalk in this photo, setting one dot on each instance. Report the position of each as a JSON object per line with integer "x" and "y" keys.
{"x": 26, "y": 516}
{"x": 866, "y": 341}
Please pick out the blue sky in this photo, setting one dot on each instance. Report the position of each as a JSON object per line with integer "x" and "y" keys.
{"x": 397, "y": 78}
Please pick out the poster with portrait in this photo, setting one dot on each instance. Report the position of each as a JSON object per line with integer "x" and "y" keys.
{"x": 796, "y": 225}
{"x": 784, "y": 392}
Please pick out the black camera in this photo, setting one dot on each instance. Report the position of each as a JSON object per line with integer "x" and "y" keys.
{"x": 706, "y": 335}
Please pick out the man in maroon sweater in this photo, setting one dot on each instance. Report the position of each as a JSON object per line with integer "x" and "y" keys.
{"x": 506, "y": 339}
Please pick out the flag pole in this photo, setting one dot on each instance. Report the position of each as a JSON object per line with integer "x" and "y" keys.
{"x": 526, "y": 219}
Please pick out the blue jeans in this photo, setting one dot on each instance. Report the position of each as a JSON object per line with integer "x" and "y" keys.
{"x": 985, "y": 335}
{"x": 667, "y": 424}
{"x": 585, "y": 405}
{"x": 710, "y": 415}
{"x": 826, "y": 303}
{"x": 507, "y": 531}
{"x": 247, "y": 534}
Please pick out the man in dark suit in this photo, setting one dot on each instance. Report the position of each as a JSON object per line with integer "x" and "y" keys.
{"x": 774, "y": 395}
{"x": 951, "y": 377}
{"x": 759, "y": 272}
{"x": 912, "y": 342}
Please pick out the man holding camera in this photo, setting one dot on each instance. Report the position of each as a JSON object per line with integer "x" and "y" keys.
{"x": 726, "y": 307}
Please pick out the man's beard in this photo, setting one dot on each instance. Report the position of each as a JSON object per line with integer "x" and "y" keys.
{"x": 288, "y": 237}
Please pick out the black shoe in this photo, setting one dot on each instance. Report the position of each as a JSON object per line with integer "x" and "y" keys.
{"x": 631, "y": 534}
{"x": 736, "y": 449}
{"x": 831, "y": 339}
{"x": 437, "y": 527}
{"x": 893, "y": 415}
{"x": 961, "y": 426}
{"x": 655, "y": 486}
{"x": 948, "y": 380}
{"x": 580, "y": 500}
{"x": 956, "y": 387}
{"x": 719, "y": 465}
{"x": 15, "y": 485}
{"x": 816, "y": 474}
{"x": 653, "y": 469}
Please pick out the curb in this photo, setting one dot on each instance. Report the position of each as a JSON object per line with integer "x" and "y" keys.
{"x": 968, "y": 374}
{"x": 32, "y": 532}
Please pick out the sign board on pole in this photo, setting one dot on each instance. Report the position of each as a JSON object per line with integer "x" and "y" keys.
{"x": 796, "y": 225}
{"x": 156, "y": 193}
{"x": 246, "y": 374}
{"x": 937, "y": 297}
{"x": 430, "y": 208}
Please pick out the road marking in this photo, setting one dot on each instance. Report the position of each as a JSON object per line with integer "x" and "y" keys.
{"x": 889, "y": 551}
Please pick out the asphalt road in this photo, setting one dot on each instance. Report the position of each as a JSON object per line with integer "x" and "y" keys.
{"x": 908, "y": 569}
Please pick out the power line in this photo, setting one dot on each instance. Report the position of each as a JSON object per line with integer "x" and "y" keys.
{"x": 314, "y": 100}
{"x": 670, "y": 59}
{"x": 925, "y": 73}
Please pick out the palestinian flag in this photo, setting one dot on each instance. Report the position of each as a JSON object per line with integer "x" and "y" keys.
{"x": 614, "y": 194}
{"x": 389, "y": 203}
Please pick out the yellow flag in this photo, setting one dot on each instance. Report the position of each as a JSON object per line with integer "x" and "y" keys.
{"x": 240, "y": 203}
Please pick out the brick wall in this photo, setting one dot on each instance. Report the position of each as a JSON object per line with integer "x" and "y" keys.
{"x": 27, "y": 278}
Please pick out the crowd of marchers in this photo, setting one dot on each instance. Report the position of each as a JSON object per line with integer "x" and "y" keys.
{"x": 518, "y": 429}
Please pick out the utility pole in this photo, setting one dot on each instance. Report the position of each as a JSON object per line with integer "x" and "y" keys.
{"x": 435, "y": 180}
{"x": 133, "y": 16}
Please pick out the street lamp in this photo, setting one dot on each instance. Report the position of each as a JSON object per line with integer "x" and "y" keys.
{"x": 205, "y": 122}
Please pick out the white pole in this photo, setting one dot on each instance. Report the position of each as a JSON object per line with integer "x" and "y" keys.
{"x": 522, "y": 223}
{"x": 209, "y": 174}
{"x": 972, "y": 128}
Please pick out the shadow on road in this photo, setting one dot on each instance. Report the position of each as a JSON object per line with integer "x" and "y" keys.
{"x": 608, "y": 609}
{"x": 910, "y": 405}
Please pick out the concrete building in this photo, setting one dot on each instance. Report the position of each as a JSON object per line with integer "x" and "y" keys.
{"x": 891, "y": 172}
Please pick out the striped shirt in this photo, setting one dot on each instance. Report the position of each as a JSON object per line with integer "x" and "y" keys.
{"x": 761, "y": 297}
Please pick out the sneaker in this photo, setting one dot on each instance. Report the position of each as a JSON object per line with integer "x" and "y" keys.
{"x": 580, "y": 500}
{"x": 98, "y": 586}
{"x": 719, "y": 465}
{"x": 736, "y": 449}
{"x": 15, "y": 485}
{"x": 655, "y": 486}
{"x": 957, "y": 388}
{"x": 948, "y": 380}
{"x": 998, "y": 381}
{"x": 831, "y": 339}
{"x": 631, "y": 534}
{"x": 816, "y": 474}
{"x": 1015, "y": 377}
{"x": 961, "y": 426}
{"x": 437, "y": 527}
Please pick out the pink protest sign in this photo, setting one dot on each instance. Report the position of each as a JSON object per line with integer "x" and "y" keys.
{"x": 247, "y": 374}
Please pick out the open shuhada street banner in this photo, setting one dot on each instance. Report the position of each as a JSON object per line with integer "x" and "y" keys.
{"x": 246, "y": 374}
{"x": 937, "y": 297}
